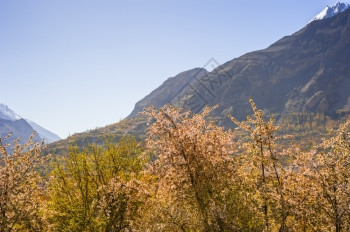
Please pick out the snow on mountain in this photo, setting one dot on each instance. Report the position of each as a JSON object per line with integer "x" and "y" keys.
{"x": 331, "y": 11}
{"x": 8, "y": 114}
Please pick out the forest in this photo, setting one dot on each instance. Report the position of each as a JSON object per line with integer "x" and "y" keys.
{"x": 189, "y": 174}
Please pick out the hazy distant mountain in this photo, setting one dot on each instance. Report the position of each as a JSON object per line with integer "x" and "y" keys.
{"x": 47, "y": 135}
{"x": 307, "y": 71}
{"x": 7, "y": 113}
{"x": 331, "y": 11}
{"x": 23, "y": 128}
{"x": 19, "y": 128}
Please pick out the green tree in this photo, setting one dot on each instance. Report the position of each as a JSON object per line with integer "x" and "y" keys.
{"x": 98, "y": 189}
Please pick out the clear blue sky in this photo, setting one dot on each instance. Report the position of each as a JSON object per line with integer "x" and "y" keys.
{"x": 74, "y": 65}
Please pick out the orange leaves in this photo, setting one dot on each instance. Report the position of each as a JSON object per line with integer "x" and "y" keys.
{"x": 20, "y": 186}
{"x": 193, "y": 159}
{"x": 198, "y": 179}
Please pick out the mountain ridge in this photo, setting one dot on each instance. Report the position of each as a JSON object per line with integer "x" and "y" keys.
{"x": 7, "y": 113}
{"x": 305, "y": 72}
{"x": 330, "y": 11}
{"x": 18, "y": 129}
{"x": 44, "y": 133}
{"x": 296, "y": 65}
{"x": 164, "y": 95}
{"x": 13, "y": 123}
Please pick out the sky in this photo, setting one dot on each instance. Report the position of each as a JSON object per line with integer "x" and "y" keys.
{"x": 71, "y": 66}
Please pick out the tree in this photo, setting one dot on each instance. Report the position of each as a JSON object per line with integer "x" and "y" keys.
{"x": 263, "y": 171}
{"x": 97, "y": 189}
{"x": 329, "y": 176}
{"x": 194, "y": 169}
{"x": 21, "y": 186}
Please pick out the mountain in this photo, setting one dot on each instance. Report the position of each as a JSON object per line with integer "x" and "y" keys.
{"x": 331, "y": 11}
{"x": 47, "y": 135}
{"x": 169, "y": 90}
{"x": 7, "y": 113}
{"x": 23, "y": 128}
{"x": 19, "y": 128}
{"x": 306, "y": 72}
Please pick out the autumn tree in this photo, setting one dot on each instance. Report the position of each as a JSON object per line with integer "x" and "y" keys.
{"x": 21, "y": 186}
{"x": 194, "y": 168}
{"x": 97, "y": 189}
{"x": 263, "y": 170}
{"x": 329, "y": 176}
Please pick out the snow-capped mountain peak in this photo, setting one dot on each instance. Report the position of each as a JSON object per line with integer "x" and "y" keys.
{"x": 331, "y": 11}
{"x": 7, "y": 113}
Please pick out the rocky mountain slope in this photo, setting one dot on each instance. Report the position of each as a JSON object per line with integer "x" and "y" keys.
{"x": 305, "y": 72}
{"x": 169, "y": 90}
{"x": 308, "y": 71}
